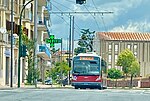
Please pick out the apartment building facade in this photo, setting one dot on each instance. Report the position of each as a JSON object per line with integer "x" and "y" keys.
{"x": 110, "y": 44}
{"x": 43, "y": 19}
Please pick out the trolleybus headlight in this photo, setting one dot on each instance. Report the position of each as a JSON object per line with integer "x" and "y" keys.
{"x": 74, "y": 78}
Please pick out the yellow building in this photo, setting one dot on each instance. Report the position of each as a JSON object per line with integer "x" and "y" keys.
{"x": 28, "y": 28}
{"x": 110, "y": 44}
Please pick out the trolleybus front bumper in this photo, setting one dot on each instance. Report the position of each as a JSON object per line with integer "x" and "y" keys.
{"x": 87, "y": 84}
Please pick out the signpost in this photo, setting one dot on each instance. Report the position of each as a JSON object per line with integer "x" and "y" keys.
{"x": 52, "y": 40}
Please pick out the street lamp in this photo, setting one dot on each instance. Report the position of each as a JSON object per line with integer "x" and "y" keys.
{"x": 20, "y": 33}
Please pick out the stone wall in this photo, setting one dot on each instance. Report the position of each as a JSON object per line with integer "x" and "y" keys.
{"x": 143, "y": 83}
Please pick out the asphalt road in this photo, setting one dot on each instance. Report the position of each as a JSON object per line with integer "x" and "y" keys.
{"x": 74, "y": 95}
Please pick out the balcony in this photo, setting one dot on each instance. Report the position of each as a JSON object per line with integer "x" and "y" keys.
{"x": 27, "y": 17}
{"x": 16, "y": 8}
{"x": 42, "y": 24}
{"x": 7, "y": 6}
{"x": 44, "y": 52}
{"x": 4, "y": 4}
{"x": 4, "y": 38}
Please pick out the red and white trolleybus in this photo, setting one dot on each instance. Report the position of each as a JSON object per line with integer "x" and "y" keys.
{"x": 87, "y": 71}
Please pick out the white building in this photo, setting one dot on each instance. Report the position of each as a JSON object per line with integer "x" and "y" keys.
{"x": 110, "y": 44}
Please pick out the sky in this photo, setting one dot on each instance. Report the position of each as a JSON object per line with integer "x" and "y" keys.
{"x": 127, "y": 16}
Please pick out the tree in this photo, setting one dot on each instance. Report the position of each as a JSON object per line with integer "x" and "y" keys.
{"x": 85, "y": 42}
{"x": 114, "y": 73}
{"x": 61, "y": 68}
{"x": 129, "y": 63}
{"x": 125, "y": 60}
{"x": 79, "y": 50}
{"x": 54, "y": 50}
{"x": 30, "y": 59}
{"x": 134, "y": 70}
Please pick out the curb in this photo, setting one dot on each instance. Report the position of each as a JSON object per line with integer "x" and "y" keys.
{"x": 38, "y": 87}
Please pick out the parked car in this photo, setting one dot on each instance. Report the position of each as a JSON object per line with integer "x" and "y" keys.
{"x": 48, "y": 81}
{"x": 65, "y": 81}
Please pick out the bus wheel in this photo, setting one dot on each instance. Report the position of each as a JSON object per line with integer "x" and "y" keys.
{"x": 104, "y": 87}
{"x": 100, "y": 88}
{"x": 76, "y": 87}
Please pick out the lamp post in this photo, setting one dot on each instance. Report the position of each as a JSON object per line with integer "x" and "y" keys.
{"x": 20, "y": 34}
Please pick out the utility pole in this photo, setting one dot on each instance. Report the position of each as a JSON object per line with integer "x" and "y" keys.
{"x": 11, "y": 78}
{"x": 61, "y": 49}
{"x": 35, "y": 41}
{"x": 69, "y": 49}
{"x": 72, "y": 36}
{"x": 61, "y": 61}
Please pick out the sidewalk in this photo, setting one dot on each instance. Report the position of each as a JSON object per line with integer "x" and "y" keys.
{"x": 42, "y": 86}
{"x": 5, "y": 87}
{"x": 39, "y": 86}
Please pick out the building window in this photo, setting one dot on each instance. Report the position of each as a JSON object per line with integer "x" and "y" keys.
{"x": 109, "y": 66}
{"x": 109, "y": 47}
{"x": 129, "y": 46}
{"x": 135, "y": 50}
{"x": 135, "y": 54}
{"x": 109, "y": 58}
{"x": 116, "y": 57}
{"x": 116, "y": 48}
{"x": 143, "y": 52}
{"x": 135, "y": 47}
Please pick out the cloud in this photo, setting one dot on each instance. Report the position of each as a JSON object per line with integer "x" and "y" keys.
{"x": 118, "y": 8}
{"x": 142, "y": 26}
{"x": 120, "y": 20}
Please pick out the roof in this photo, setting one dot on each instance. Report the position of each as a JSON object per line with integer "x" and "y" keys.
{"x": 124, "y": 36}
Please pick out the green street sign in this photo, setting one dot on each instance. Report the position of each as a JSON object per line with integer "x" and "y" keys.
{"x": 52, "y": 40}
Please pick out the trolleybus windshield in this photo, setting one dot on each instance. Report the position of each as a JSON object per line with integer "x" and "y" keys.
{"x": 86, "y": 67}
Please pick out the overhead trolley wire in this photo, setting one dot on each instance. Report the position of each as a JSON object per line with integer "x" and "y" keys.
{"x": 62, "y": 13}
{"x": 63, "y": 5}
{"x": 93, "y": 17}
{"x": 101, "y": 16}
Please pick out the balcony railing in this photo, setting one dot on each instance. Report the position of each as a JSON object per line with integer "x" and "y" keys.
{"x": 16, "y": 7}
{"x": 5, "y": 38}
{"x": 4, "y": 4}
{"x": 42, "y": 21}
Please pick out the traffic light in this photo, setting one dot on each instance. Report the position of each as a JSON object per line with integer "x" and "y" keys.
{"x": 80, "y": 2}
{"x": 23, "y": 50}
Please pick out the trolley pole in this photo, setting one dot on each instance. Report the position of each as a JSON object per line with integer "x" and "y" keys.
{"x": 11, "y": 75}
{"x": 72, "y": 36}
{"x": 69, "y": 49}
